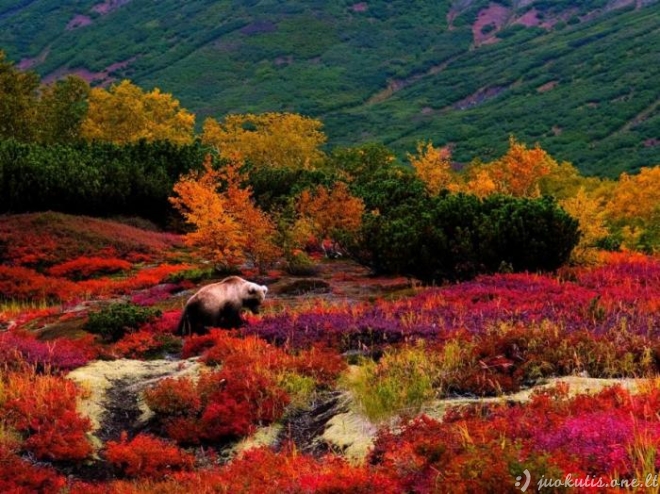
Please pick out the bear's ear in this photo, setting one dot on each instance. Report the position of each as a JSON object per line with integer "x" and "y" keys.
{"x": 265, "y": 289}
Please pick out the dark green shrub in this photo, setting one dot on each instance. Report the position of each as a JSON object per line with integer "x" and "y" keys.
{"x": 528, "y": 234}
{"x": 457, "y": 236}
{"x": 274, "y": 187}
{"x": 114, "y": 321}
{"x": 300, "y": 264}
{"x": 384, "y": 189}
{"x": 96, "y": 179}
{"x": 194, "y": 275}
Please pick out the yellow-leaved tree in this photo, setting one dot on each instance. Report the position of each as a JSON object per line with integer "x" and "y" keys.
{"x": 125, "y": 113}
{"x": 276, "y": 140}
{"x": 329, "y": 213}
{"x": 634, "y": 207}
{"x": 229, "y": 229}
{"x": 433, "y": 166}
{"x": 588, "y": 210}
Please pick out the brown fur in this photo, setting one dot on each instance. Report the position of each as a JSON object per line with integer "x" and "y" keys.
{"x": 219, "y": 305}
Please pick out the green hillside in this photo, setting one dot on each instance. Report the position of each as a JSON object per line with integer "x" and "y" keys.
{"x": 577, "y": 76}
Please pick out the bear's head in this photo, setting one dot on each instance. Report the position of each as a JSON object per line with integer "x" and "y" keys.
{"x": 254, "y": 295}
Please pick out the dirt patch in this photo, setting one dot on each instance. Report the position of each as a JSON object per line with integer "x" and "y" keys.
{"x": 396, "y": 85}
{"x": 259, "y": 27}
{"x": 577, "y": 385}
{"x": 30, "y": 63}
{"x": 280, "y": 61}
{"x": 109, "y": 6}
{"x": 103, "y": 78}
{"x": 352, "y": 434}
{"x": 78, "y": 21}
{"x": 301, "y": 287}
{"x": 306, "y": 428}
{"x": 489, "y": 21}
{"x": 547, "y": 86}
{"x": 529, "y": 19}
{"x": 478, "y": 98}
{"x": 113, "y": 402}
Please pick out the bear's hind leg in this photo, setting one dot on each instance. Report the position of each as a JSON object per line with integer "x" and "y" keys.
{"x": 230, "y": 318}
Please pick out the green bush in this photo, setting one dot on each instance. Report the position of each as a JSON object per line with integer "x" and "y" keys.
{"x": 457, "y": 236}
{"x": 300, "y": 264}
{"x": 96, "y": 179}
{"x": 112, "y": 322}
{"x": 194, "y": 275}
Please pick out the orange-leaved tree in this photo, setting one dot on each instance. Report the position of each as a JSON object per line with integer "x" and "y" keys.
{"x": 259, "y": 229}
{"x": 517, "y": 173}
{"x": 433, "y": 166}
{"x": 274, "y": 140}
{"x": 329, "y": 213}
{"x": 228, "y": 227}
{"x": 125, "y": 113}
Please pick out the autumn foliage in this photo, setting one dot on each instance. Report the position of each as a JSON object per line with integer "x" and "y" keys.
{"x": 125, "y": 113}
{"x": 272, "y": 140}
{"x": 42, "y": 410}
{"x": 517, "y": 173}
{"x": 147, "y": 456}
{"x": 329, "y": 213}
{"x": 88, "y": 267}
{"x": 225, "y": 404}
{"x": 268, "y": 190}
{"x": 433, "y": 166}
{"x": 228, "y": 227}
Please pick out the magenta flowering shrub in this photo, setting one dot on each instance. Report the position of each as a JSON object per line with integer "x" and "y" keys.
{"x": 20, "y": 349}
{"x": 620, "y": 296}
{"x": 601, "y": 439}
{"x": 155, "y": 294}
{"x": 551, "y": 436}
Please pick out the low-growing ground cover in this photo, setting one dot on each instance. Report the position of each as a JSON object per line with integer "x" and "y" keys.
{"x": 391, "y": 356}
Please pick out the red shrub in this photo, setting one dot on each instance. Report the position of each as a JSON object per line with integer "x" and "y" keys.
{"x": 43, "y": 409}
{"x": 235, "y": 400}
{"x": 18, "y": 476}
{"x": 184, "y": 430}
{"x": 143, "y": 345}
{"x": 261, "y": 471}
{"x": 221, "y": 405}
{"x": 227, "y": 417}
{"x": 198, "y": 344}
{"x": 60, "y": 437}
{"x": 174, "y": 397}
{"x": 334, "y": 475}
{"x": 267, "y": 401}
{"x": 250, "y": 350}
{"x": 149, "y": 277}
{"x": 147, "y": 456}
{"x": 166, "y": 324}
{"x": 88, "y": 267}
{"x": 143, "y": 279}
{"x": 264, "y": 471}
{"x": 49, "y": 238}
{"x": 18, "y": 283}
{"x": 320, "y": 363}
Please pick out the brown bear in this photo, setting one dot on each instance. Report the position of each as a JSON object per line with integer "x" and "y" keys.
{"x": 219, "y": 305}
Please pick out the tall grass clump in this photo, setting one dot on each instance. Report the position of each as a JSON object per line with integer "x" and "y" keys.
{"x": 402, "y": 381}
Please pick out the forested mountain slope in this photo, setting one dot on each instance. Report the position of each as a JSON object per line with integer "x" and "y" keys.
{"x": 579, "y": 77}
